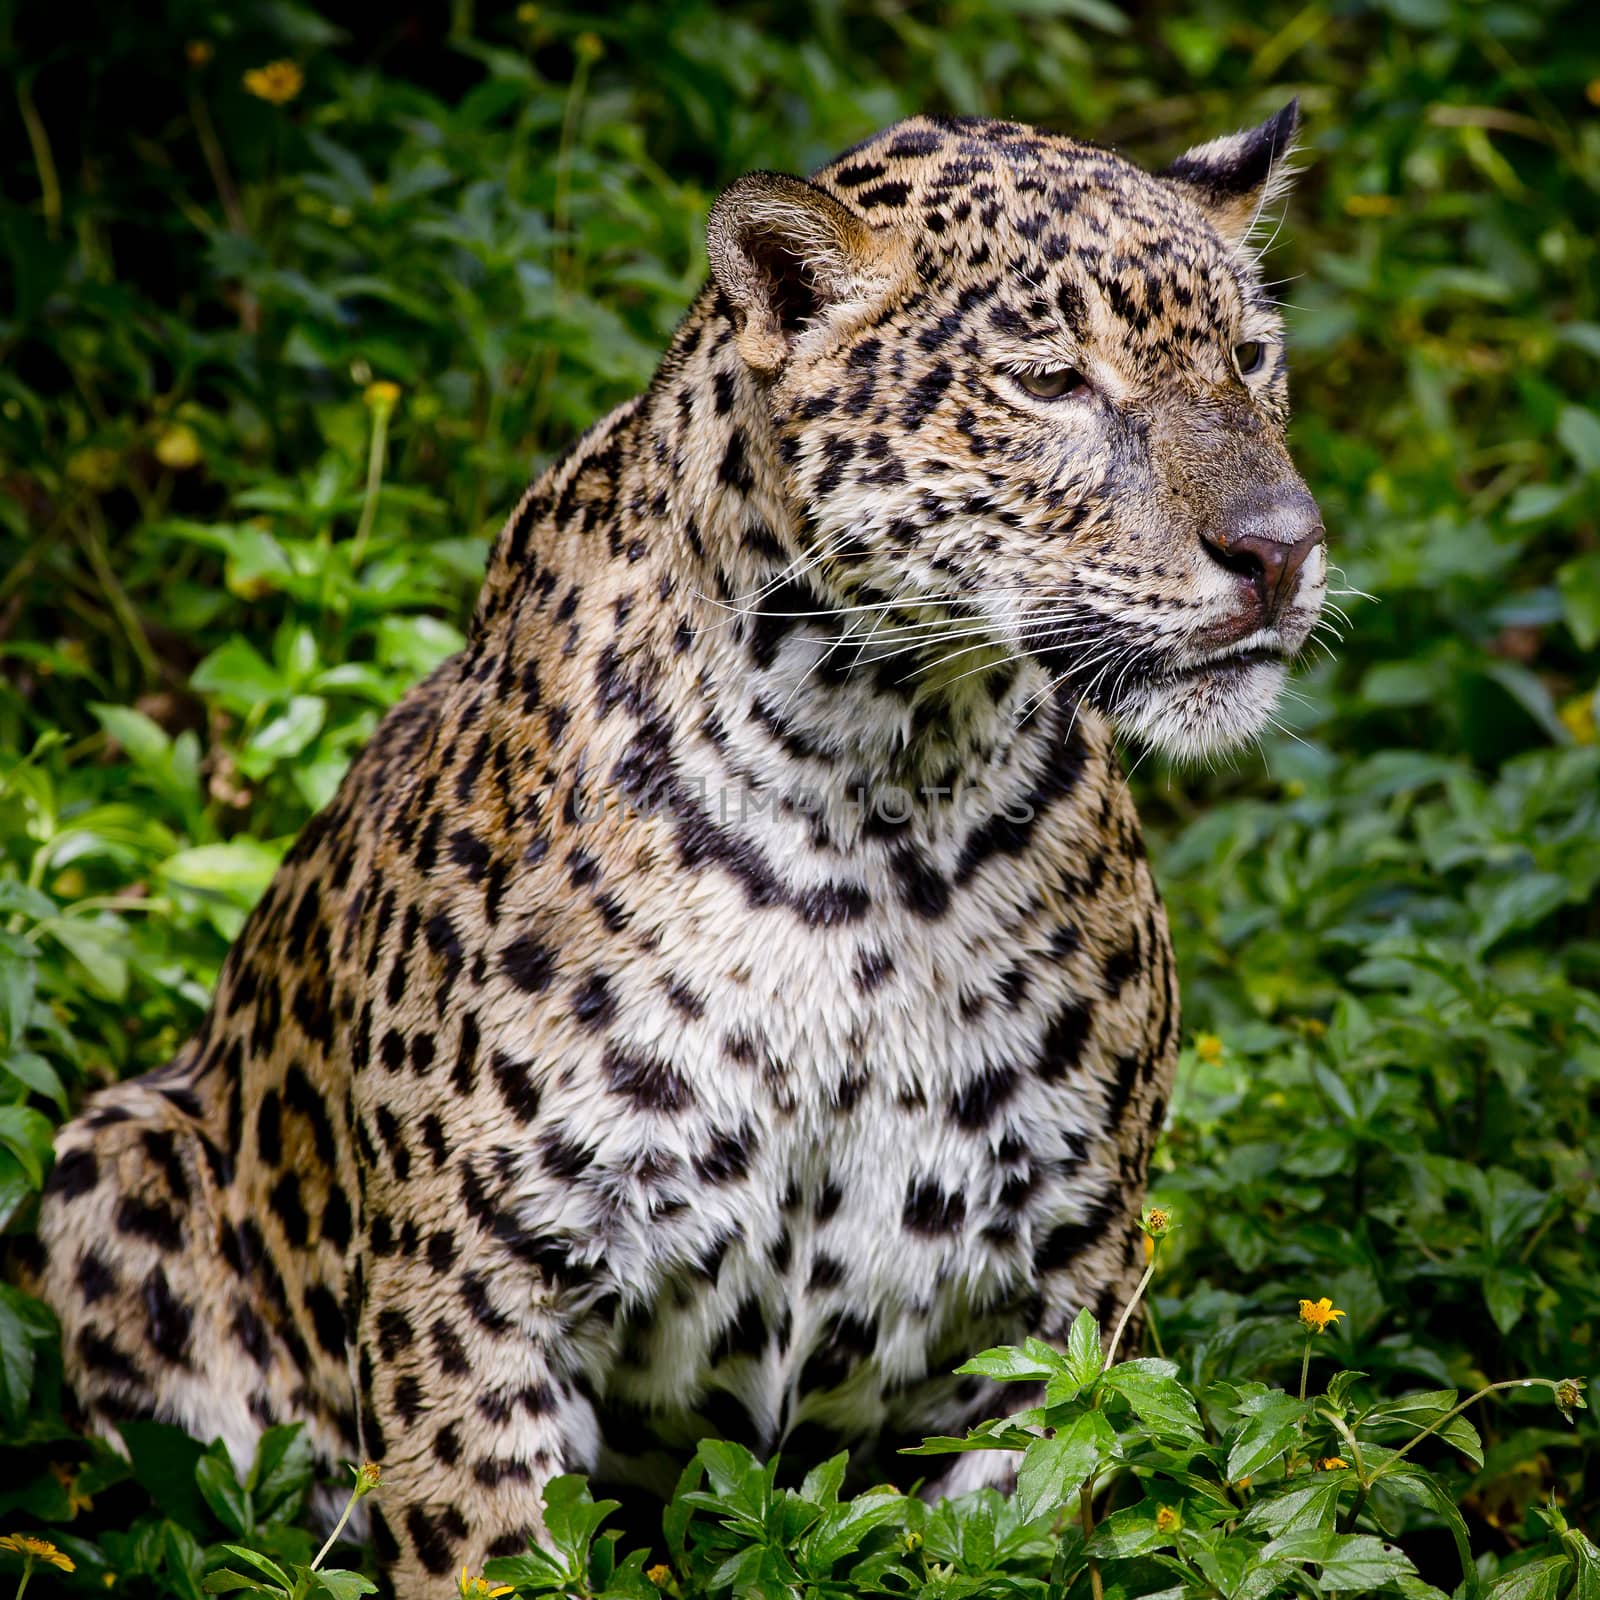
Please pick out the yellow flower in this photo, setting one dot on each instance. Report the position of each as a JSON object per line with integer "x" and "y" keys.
{"x": 478, "y": 1588}
{"x": 1317, "y": 1314}
{"x": 1156, "y": 1222}
{"x": 588, "y": 47}
{"x": 1331, "y": 1463}
{"x": 1577, "y": 715}
{"x": 660, "y": 1574}
{"x": 368, "y": 1477}
{"x": 382, "y": 395}
{"x": 109, "y": 1579}
{"x": 1168, "y": 1520}
{"x": 277, "y": 83}
{"x": 179, "y": 447}
{"x": 1208, "y": 1047}
{"x": 24, "y": 1544}
{"x": 198, "y": 53}
{"x": 94, "y": 466}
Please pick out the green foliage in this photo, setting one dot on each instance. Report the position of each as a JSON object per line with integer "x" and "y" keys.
{"x": 271, "y": 372}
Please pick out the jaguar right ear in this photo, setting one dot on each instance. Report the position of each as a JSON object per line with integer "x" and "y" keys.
{"x": 785, "y": 254}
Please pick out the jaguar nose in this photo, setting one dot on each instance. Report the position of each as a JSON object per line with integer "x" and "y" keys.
{"x": 1266, "y": 542}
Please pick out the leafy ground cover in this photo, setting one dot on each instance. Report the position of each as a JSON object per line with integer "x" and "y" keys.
{"x": 293, "y": 310}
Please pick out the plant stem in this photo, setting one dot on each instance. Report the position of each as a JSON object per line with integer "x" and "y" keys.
{"x": 217, "y": 163}
{"x": 49, "y": 182}
{"x": 369, "y": 502}
{"x": 1154, "y": 1327}
{"x": 1127, "y": 1310}
{"x": 338, "y": 1528}
{"x": 559, "y": 205}
{"x": 1305, "y": 1367}
{"x": 1086, "y": 1517}
{"x": 1433, "y": 1427}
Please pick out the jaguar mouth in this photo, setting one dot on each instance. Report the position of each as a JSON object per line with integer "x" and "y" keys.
{"x": 1231, "y": 663}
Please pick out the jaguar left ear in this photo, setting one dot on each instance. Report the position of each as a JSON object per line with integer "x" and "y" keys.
{"x": 1233, "y": 179}
{"x": 785, "y": 253}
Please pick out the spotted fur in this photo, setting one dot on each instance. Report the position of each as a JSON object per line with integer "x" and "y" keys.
{"x": 732, "y": 989}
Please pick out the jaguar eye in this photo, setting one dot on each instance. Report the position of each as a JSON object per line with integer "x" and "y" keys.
{"x": 1249, "y": 357}
{"x": 1052, "y": 384}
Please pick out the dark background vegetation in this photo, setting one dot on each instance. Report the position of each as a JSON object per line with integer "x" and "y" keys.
{"x": 1387, "y": 919}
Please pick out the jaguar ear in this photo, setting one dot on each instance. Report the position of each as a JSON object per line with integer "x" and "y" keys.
{"x": 1235, "y": 178}
{"x": 785, "y": 253}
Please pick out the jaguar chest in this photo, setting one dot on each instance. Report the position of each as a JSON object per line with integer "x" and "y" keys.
{"x": 810, "y": 1149}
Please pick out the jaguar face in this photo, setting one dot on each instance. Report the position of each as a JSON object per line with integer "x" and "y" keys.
{"x": 1032, "y": 399}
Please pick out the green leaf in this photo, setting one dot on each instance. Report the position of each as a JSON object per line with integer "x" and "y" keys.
{"x": 822, "y": 1483}
{"x": 213, "y": 1476}
{"x": 1010, "y": 1364}
{"x": 99, "y": 947}
{"x": 339, "y": 1585}
{"x": 239, "y": 870}
{"x": 1579, "y": 582}
{"x": 184, "y": 1560}
{"x": 1129, "y": 1533}
{"x": 1586, "y": 1560}
{"x": 29, "y": 1136}
{"x": 36, "y": 1075}
{"x": 1419, "y": 1411}
{"x": 18, "y": 981}
{"x": 284, "y": 735}
{"x": 236, "y": 673}
{"x": 163, "y": 1459}
{"x": 1579, "y": 430}
{"x": 142, "y": 738}
{"x": 1085, "y": 1355}
{"x": 1308, "y": 1508}
{"x": 25, "y": 1326}
{"x": 1415, "y": 1483}
{"x": 1344, "y": 1561}
{"x": 1053, "y": 1470}
{"x": 534, "y": 1569}
{"x": 263, "y": 1564}
{"x": 281, "y": 1474}
{"x": 844, "y": 1526}
{"x": 225, "y": 1581}
{"x": 571, "y": 1516}
{"x": 1541, "y": 1579}
{"x": 1160, "y": 1402}
{"x": 1272, "y": 1424}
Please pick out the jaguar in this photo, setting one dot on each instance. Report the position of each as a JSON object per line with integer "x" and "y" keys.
{"x": 732, "y": 989}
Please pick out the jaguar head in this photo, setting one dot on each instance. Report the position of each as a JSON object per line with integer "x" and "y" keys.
{"x": 1032, "y": 399}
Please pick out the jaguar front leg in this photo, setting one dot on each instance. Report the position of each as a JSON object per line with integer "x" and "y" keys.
{"x": 473, "y": 1371}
